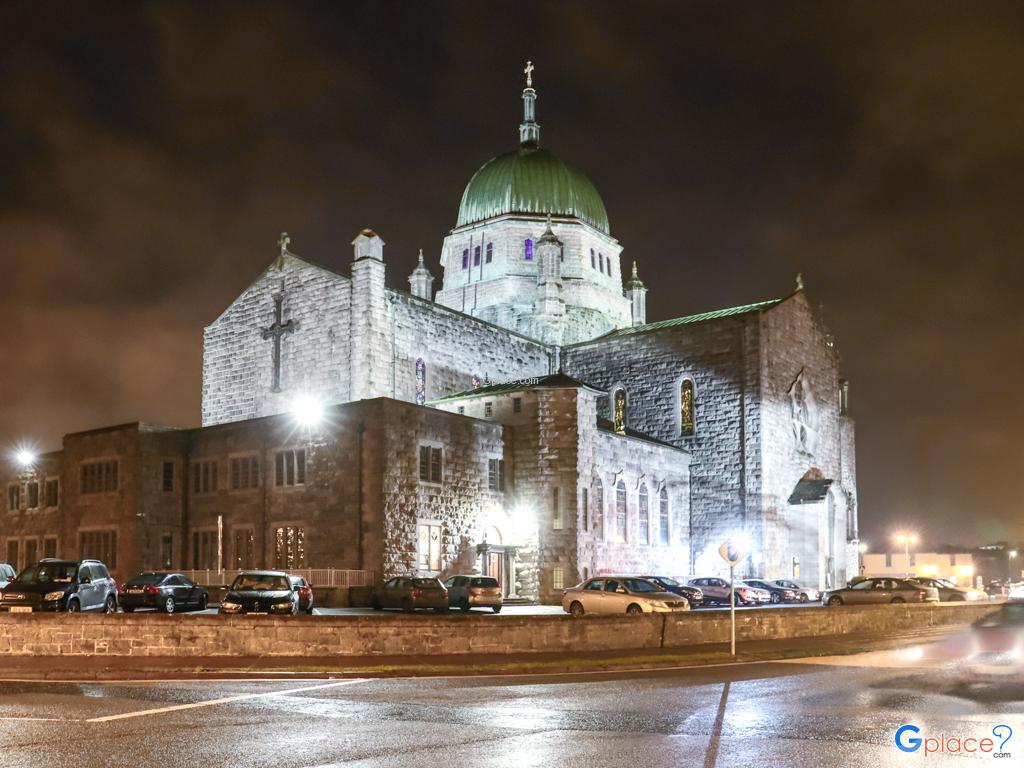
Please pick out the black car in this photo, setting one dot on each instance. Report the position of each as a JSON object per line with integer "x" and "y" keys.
{"x": 693, "y": 594}
{"x": 261, "y": 592}
{"x": 779, "y": 594}
{"x": 61, "y": 585}
{"x": 162, "y": 591}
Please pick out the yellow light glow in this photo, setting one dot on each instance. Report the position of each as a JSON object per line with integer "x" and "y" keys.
{"x": 965, "y": 570}
{"x": 928, "y": 569}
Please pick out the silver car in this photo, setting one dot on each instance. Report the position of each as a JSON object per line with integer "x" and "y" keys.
{"x": 803, "y": 594}
{"x": 465, "y": 592}
{"x": 620, "y": 594}
{"x": 879, "y": 591}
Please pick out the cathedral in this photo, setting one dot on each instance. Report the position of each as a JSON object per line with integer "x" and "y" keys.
{"x": 523, "y": 419}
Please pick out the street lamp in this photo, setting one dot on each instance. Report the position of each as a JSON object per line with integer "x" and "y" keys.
{"x": 308, "y": 410}
{"x": 25, "y": 458}
{"x": 906, "y": 539}
{"x": 1009, "y": 565}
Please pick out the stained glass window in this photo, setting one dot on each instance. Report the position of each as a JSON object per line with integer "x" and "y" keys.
{"x": 663, "y": 532}
{"x": 528, "y": 249}
{"x": 644, "y": 516}
{"x": 686, "y": 421}
{"x": 620, "y": 511}
{"x": 421, "y": 381}
{"x": 619, "y": 411}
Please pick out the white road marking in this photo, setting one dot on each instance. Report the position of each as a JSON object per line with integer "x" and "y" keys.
{"x": 41, "y": 719}
{"x": 226, "y": 700}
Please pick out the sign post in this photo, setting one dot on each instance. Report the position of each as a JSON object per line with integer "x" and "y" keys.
{"x": 733, "y": 555}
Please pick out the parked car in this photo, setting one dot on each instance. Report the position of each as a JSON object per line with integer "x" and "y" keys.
{"x": 162, "y": 591}
{"x": 996, "y": 652}
{"x": 803, "y": 594}
{"x": 305, "y": 590}
{"x": 692, "y": 594}
{"x": 410, "y": 593}
{"x": 465, "y": 592}
{"x": 261, "y": 592}
{"x": 620, "y": 594}
{"x": 61, "y": 585}
{"x": 7, "y": 574}
{"x": 716, "y": 590}
{"x": 755, "y": 593}
{"x": 875, "y": 591}
{"x": 950, "y": 592}
{"x": 776, "y": 593}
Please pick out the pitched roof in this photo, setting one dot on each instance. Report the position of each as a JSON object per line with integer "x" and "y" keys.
{"x": 716, "y": 314}
{"x": 606, "y": 425}
{"x": 553, "y": 381}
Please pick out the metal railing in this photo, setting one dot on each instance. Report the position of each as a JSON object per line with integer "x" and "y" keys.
{"x": 318, "y": 577}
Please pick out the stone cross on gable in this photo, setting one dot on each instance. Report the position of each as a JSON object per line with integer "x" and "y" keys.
{"x": 276, "y": 330}
{"x": 529, "y": 74}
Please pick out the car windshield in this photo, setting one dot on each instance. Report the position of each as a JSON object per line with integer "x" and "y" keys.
{"x": 665, "y": 581}
{"x": 639, "y": 585}
{"x": 946, "y": 584}
{"x": 60, "y": 573}
{"x": 145, "y": 579}
{"x": 426, "y": 583}
{"x": 260, "y": 581}
{"x": 485, "y": 582}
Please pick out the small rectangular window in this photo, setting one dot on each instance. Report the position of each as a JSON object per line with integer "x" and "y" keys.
{"x": 33, "y": 495}
{"x": 490, "y": 252}
{"x": 52, "y": 492}
{"x": 204, "y": 477}
{"x": 168, "y": 476}
{"x": 556, "y": 509}
{"x": 99, "y": 477}
{"x": 430, "y": 464}
{"x": 517, "y": 405}
{"x": 245, "y": 473}
{"x": 462, "y": 410}
{"x": 586, "y": 509}
{"x": 496, "y": 474}
{"x": 558, "y": 578}
{"x": 528, "y": 250}
{"x": 50, "y": 546}
{"x": 488, "y": 409}
{"x": 465, "y": 258}
{"x": 476, "y": 256}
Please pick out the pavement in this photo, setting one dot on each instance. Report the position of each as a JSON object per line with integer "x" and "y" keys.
{"x": 831, "y": 712}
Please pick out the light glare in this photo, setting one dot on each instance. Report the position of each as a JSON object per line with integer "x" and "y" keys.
{"x": 308, "y": 410}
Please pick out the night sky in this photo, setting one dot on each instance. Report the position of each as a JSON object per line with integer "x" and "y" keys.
{"x": 150, "y": 154}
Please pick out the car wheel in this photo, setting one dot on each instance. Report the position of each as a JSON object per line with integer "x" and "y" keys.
{"x": 634, "y": 610}
{"x": 110, "y": 606}
{"x": 375, "y": 604}
{"x": 442, "y": 609}
{"x": 496, "y": 608}
{"x": 776, "y": 597}
{"x": 309, "y": 611}
{"x": 202, "y": 603}
{"x": 74, "y": 606}
{"x": 169, "y": 605}
{"x": 576, "y": 608}
{"x": 835, "y": 600}
{"x": 897, "y": 601}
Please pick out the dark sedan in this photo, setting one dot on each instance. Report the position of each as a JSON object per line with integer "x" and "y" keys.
{"x": 261, "y": 592}
{"x": 410, "y": 593}
{"x": 692, "y": 594}
{"x": 162, "y": 591}
{"x": 779, "y": 594}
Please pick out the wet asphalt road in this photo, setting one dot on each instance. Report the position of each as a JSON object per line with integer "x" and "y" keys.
{"x": 828, "y": 713}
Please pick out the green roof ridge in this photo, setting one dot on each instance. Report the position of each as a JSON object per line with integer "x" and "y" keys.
{"x": 714, "y": 314}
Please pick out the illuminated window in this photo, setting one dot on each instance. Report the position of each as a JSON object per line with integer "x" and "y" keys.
{"x": 686, "y": 418}
{"x": 289, "y": 547}
{"x": 244, "y": 548}
{"x": 290, "y": 468}
{"x": 644, "y": 516}
{"x": 429, "y": 546}
{"x": 557, "y": 522}
{"x": 528, "y": 249}
{"x": 558, "y": 578}
{"x": 421, "y": 381}
{"x": 619, "y": 410}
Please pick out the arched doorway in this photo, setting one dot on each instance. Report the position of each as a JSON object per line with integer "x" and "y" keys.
{"x": 496, "y": 558}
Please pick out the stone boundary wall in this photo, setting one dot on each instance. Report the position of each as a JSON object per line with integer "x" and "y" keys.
{"x": 425, "y": 635}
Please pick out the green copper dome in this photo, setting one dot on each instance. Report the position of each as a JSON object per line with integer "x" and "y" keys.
{"x": 531, "y": 181}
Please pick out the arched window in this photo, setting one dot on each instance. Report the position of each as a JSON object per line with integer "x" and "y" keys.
{"x": 476, "y": 256}
{"x": 599, "y": 509}
{"x": 593, "y": 259}
{"x": 421, "y": 382}
{"x": 490, "y": 252}
{"x": 465, "y": 258}
{"x": 620, "y": 511}
{"x": 528, "y": 249}
{"x": 644, "y": 516}
{"x": 687, "y": 423}
{"x": 619, "y": 410}
{"x": 663, "y": 531}
{"x": 600, "y": 263}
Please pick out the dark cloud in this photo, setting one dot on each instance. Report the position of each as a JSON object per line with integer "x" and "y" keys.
{"x": 150, "y": 153}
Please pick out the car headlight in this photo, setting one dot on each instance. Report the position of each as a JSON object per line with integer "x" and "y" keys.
{"x": 229, "y": 606}
{"x": 283, "y": 606}
{"x": 53, "y": 595}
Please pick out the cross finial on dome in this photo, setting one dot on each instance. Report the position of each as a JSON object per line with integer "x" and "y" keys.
{"x": 799, "y": 281}
{"x": 529, "y": 73}
{"x": 529, "y": 131}
{"x": 421, "y": 255}
{"x": 635, "y": 275}
{"x": 282, "y": 242}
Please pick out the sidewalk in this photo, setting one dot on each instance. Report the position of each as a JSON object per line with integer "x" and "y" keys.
{"x": 86, "y": 668}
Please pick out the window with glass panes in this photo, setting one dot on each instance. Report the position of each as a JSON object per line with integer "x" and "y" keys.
{"x": 644, "y": 516}
{"x": 245, "y": 472}
{"x": 663, "y": 520}
{"x": 290, "y": 468}
{"x": 430, "y": 464}
{"x": 620, "y": 511}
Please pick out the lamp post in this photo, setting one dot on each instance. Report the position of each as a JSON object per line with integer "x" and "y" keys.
{"x": 906, "y": 539}
{"x": 1010, "y": 557}
{"x": 862, "y": 549}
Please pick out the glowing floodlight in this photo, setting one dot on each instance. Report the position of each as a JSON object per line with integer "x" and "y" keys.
{"x": 308, "y": 410}
{"x": 25, "y": 458}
